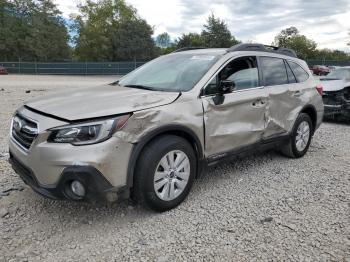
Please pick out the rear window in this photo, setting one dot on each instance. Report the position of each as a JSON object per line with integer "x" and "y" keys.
{"x": 274, "y": 71}
{"x": 298, "y": 71}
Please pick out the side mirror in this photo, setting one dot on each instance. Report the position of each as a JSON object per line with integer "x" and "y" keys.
{"x": 226, "y": 87}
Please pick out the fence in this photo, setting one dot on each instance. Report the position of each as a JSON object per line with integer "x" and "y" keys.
{"x": 328, "y": 62}
{"x": 100, "y": 68}
{"x": 71, "y": 68}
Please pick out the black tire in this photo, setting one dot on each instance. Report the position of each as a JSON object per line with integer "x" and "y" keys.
{"x": 143, "y": 190}
{"x": 290, "y": 149}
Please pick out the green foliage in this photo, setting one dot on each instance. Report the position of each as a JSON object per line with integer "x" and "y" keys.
{"x": 32, "y": 30}
{"x": 190, "y": 40}
{"x": 111, "y": 30}
{"x": 328, "y": 54}
{"x": 163, "y": 40}
{"x": 216, "y": 34}
{"x": 306, "y": 48}
{"x": 291, "y": 38}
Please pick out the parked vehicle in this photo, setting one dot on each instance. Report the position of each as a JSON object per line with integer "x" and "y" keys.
{"x": 336, "y": 92}
{"x": 3, "y": 70}
{"x": 332, "y": 68}
{"x": 320, "y": 70}
{"x": 153, "y": 132}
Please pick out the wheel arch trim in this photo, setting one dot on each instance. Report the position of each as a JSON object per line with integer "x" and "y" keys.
{"x": 168, "y": 129}
{"x": 307, "y": 109}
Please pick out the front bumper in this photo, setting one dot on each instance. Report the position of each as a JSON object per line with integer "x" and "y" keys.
{"x": 342, "y": 109}
{"x": 46, "y": 164}
{"x": 96, "y": 186}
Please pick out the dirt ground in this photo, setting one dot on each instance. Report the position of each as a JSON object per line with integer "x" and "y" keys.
{"x": 260, "y": 208}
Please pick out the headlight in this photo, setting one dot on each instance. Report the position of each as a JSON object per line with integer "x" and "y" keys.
{"x": 87, "y": 133}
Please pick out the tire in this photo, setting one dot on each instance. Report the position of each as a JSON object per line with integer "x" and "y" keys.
{"x": 292, "y": 149}
{"x": 154, "y": 169}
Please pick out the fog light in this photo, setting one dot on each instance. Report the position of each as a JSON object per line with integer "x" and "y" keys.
{"x": 77, "y": 188}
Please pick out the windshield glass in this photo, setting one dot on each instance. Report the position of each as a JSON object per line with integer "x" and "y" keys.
{"x": 178, "y": 72}
{"x": 341, "y": 73}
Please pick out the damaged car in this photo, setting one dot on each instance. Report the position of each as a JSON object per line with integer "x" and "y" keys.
{"x": 150, "y": 134}
{"x": 336, "y": 93}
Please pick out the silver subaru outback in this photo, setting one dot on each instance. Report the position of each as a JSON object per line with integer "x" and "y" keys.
{"x": 150, "y": 134}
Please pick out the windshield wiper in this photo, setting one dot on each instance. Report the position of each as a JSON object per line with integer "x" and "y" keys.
{"x": 142, "y": 87}
{"x": 114, "y": 83}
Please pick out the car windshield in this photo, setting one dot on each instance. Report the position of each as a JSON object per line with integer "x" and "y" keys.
{"x": 341, "y": 73}
{"x": 173, "y": 73}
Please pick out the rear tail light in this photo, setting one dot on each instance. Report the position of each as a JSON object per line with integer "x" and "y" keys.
{"x": 319, "y": 89}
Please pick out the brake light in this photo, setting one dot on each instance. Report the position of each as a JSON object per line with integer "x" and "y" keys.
{"x": 319, "y": 89}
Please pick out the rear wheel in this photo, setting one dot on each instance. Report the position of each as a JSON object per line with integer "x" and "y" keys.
{"x": 300, "y": 138}
{"x": 164, "y": 173}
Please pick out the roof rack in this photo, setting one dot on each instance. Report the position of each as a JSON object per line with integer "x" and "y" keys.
{"x": 187, "y": 49}
{"x": 262, "y": 48}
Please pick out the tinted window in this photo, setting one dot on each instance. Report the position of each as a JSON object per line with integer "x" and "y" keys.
{"x": 291, "y": 77}
{"x": 274, "y": 71}
{"x": 242, "y": 71}
{"x": 298, "y": 71}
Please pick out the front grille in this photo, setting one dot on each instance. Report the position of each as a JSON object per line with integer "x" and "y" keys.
{"x": 332, "y": 98}
{"x": 24, "y": 131}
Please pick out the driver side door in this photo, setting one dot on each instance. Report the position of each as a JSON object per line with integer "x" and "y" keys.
{"x": 237, "y": 119}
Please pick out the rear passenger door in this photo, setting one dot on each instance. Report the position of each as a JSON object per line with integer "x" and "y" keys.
{"x": 279, "y": 82}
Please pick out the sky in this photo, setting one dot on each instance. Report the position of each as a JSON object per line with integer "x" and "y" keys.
{"x": 326, "y": 22}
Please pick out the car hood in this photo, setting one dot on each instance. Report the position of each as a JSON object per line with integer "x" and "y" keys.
{"x": 332, "y": 84}
{"x": 99, "y": 101}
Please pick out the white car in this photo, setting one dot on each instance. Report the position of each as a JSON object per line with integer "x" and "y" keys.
{"x": 336, "y": 92}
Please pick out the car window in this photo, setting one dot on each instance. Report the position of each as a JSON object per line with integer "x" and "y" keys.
{"x": 298, "y": 71}
{"x": 176, "y": 72}
{"x": 274, "y": 71}
{"x": 291, "y": 77}
{"x": 242, "y": 71}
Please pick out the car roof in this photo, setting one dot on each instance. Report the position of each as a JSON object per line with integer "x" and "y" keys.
{"x": 203, "y": 51}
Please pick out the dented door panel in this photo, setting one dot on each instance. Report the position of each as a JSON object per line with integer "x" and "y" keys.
{"x": 237, "y": 122}
{"x": 285, "y": 104}
{"x": 279, "y": 110}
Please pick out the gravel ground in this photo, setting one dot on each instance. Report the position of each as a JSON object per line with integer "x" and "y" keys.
{"x": 263, "y": 207}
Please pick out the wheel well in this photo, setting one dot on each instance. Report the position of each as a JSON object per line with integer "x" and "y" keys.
{"x": 191, "y": 138}
{"x": 312, "y": 114}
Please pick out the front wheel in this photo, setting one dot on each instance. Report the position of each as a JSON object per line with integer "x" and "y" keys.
{"x": 164, "y": 173}
{"x": 300, "y": 138}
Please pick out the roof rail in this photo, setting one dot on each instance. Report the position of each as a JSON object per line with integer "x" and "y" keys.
{"x": 187, "y": 48}
{"x": 262, "y": 48}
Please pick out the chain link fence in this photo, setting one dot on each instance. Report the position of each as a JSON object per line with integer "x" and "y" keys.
{"x": 101, "y": 68}
{"x": 71, "y": 68}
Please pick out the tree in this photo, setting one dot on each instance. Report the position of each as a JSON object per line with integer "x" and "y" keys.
{"x": 163, "y": 40}
{"x": 110, "y": 30}
{"x": 32, "y": 30}
{"x": 190, "y": 40}
{"x": 328, "y": 54}
{"x": 216, "y": 34}
{"x": 291, "y": 38}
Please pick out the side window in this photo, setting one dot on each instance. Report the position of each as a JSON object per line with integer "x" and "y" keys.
{"x": 291, "y": 77}
{"x": 242, "y": 71}
{"x": 274, "y": 71}
{"x": 298, "y": 71}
